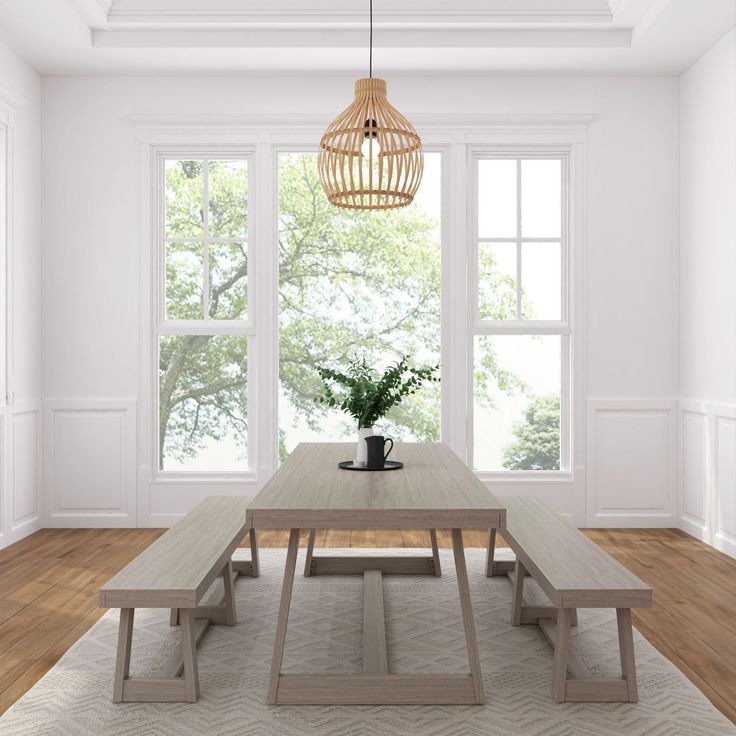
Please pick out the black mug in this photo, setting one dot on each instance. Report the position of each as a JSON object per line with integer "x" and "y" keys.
{"x": 376, "y": 444}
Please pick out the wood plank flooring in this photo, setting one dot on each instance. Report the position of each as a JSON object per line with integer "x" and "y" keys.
{"x": 49, "y": 584}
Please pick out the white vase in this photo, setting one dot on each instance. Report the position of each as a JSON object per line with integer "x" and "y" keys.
{"x": 361, "y": 453}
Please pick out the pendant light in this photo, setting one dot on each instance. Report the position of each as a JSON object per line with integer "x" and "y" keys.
{"x": 370, "y": 156}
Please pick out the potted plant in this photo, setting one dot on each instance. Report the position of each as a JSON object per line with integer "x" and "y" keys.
{"x": 367, "y": 397}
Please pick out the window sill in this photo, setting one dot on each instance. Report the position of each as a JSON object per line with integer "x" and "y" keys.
{"x": 513, "y": 476}
{"x": 187, "y": 478}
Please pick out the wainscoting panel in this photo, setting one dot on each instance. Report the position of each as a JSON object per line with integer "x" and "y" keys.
{"x": 90, "y": 462}
{"x": 23, "y": 451}
{"x": 707, "y": 499}
{"x": 694, "y": 468}
{"x": 725, "y": 482}
{"x": 20, "y": 479}
{"x": 632, "y": 450}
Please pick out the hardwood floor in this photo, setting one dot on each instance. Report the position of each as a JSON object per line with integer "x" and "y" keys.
{"x": 49, "y": 583}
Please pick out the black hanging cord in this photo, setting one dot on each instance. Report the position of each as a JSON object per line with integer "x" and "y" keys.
{"x": 370, "y": 54}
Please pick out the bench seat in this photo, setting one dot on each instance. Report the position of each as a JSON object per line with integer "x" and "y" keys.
{"x": 179, "y": 571}
{"x": 573, "y": 572}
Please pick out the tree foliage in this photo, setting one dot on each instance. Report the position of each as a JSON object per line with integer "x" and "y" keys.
{"x": 350, "y": 282}
{"x": 537, "y": 443}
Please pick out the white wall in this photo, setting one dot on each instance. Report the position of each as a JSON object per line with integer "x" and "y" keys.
{"x": 708, "y": 296}
{"x": 20, "y": 417}
{"x": 91, "y": 271}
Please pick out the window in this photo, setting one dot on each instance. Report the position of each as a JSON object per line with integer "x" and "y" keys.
{"x": 475, "y": 275}
{"x": 203, "y": 314}
{"x": 521, "y": 380}
{"x": 354, "y": 283}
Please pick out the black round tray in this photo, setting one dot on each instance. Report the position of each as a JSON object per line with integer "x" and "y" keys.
{"x": 389, "y": 465}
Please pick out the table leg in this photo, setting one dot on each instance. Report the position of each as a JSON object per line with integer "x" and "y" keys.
{"x": 310, "y": 552}
{"x": 254, "y": 561}
{"x": 278, "y": 647}
{"x": 435, "y": 553}
{"x": 467, "y": 610}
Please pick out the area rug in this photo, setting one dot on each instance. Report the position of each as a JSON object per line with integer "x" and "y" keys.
{"x": 425, "y": 635}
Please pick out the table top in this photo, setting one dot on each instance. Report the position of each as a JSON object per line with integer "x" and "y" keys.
{"x": 434, "y": 489}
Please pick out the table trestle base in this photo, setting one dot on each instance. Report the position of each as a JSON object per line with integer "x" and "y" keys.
{"x": 375, "y": 686}
{"x": 376, "y": 690}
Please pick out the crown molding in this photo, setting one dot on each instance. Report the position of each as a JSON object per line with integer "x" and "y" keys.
{"x": 260, "y": 122}
{"x": 11, "y": 99}
{"x": 425, "y": 37}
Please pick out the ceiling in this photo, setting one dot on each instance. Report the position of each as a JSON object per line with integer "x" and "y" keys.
{"x": 59, "y": 37}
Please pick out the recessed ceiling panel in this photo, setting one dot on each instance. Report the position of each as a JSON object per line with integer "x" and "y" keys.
{"x": 328, "y": 11}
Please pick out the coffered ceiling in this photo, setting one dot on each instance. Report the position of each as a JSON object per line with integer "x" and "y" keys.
{"x": 410, "y": 36}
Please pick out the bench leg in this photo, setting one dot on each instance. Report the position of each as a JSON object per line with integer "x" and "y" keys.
{"x": 122, "y": 663}
{"x": 231, "y": 616}
{"x": 435, "y": 552}
{"x": 490, "y": 552}
{"x": 174, "y": 617}
{"x": 310, "y": 552}
{"x": 189, "y": 650}
{"x": 518, "y": 593}
{"x": 559, "y": 667}
{"x": 626, "y": 646}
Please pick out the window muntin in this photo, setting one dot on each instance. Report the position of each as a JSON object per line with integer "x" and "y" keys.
{"x": 206, "y": 239}
{"x": 521, "y": 378}
{"x": 202, "y": 329}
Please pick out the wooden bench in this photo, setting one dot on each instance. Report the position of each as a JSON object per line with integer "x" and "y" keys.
{"x": 574, "y": 573}
{"x": 179, "y": 571}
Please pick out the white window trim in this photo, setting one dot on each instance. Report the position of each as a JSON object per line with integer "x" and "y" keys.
{"x": 561, "y": 327}
{"x": 458, "y": 137}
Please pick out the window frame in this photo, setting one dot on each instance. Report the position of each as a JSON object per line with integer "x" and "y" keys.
{"x": 533, "y": 327}
{"x": 161, "y": 327}
{"x": 458, "y": 137}
{"x": 430, "y": 144}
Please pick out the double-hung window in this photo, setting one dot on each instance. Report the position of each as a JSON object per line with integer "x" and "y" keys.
{"x": 520, "y": 307}
{"x": 203, "y": 313}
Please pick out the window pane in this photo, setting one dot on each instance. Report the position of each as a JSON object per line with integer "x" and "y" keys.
{"x": 184, "y": 199}
{"x": 203, "y": 407}
{"x": 355, "y": 283}
{"x": 541, "y": 203}
{"x": 184, "y": 281}
{"x": 228, "y": 199}
{"x": 497, "y": 198}
{"x": 497, "y": 281}
{"x": 541, "y": 280}
{"x": 228, "y": 280}
{"x": 517, "y": 402}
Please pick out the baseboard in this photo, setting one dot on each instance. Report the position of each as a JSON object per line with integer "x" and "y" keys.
{"x": 20, "y": 531}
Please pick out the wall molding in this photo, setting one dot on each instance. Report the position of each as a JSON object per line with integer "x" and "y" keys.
{"x": 10, "y": 98}
{"x": 21, "y": 500}
{"x": 632, "y": 462}
{"x": 90, "y": 462}
{"x": 707, "y": 473}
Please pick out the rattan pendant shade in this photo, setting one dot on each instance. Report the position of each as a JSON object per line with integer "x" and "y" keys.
{"x": 370, "y": 157}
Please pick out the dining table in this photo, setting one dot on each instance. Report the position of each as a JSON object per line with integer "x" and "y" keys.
{"x": 434, "y": 489}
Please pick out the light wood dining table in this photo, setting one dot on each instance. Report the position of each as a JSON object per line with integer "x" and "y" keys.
{"x": 434, "y": 490}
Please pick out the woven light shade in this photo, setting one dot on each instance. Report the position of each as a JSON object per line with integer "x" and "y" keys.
{"x": 370, "y": 157}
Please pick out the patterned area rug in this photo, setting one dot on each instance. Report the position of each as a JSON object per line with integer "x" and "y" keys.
{"x": 425, "y": 635}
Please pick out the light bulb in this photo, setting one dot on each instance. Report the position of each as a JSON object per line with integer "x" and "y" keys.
{"x": 366, "y": 148}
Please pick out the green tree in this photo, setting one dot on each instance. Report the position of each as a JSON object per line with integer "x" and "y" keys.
{"x": 537, "y": 444}
{"x": 350, "y": 282}
{"x": 203, "y": 378}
